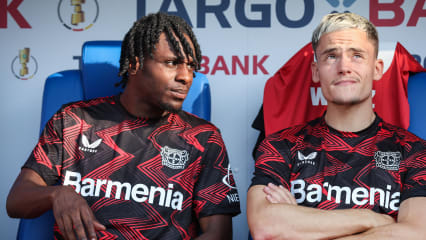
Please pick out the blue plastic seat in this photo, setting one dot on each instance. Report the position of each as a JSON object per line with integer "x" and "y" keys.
{"x": 96, "y": 77}
{"x": 417, "y": 100}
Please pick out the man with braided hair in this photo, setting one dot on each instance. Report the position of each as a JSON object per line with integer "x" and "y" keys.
{"x": 134, "y": 166}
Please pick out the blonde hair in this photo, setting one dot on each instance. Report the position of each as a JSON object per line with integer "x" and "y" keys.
{"x": 340, "y": 21}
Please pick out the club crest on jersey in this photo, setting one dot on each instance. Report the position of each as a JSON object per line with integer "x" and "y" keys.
{"x": 388, "y": 160}
{"x": 87, "y": 146}
{"x": 306, "y": 159}
{"x": 174, "y": 158}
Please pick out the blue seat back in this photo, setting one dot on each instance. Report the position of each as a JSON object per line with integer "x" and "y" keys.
{"x": 417, "y": 100}
{"x": 99, "y": 68}
{"x": 60, "y": 88}
{"x": 96, "y": 77}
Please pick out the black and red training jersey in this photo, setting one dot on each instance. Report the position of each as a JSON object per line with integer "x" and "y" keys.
{"x": 376, "y": 168}
{"x": 143, "y": 178}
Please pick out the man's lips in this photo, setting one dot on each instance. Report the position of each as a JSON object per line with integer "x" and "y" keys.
{"x": 344, "y": 82}
{"x": 179, "y": 93}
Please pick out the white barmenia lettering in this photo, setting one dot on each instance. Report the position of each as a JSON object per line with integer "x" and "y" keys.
{"x": 344, "y": 194}
{"x": 138, "y": 193}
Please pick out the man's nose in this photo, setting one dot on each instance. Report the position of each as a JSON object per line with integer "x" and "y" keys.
{"x": 344, "y": 64}
{"x": 184, "y": 73}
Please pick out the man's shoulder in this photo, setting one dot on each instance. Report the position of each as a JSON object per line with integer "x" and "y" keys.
{"x": 89, "y": 110}
{"x": 90, "y": 102}
{"x": 86, "y": 104}
{"x": 399, "y": 132}
{"x": 298, "y": 129}
{"x": 196, "y": 121}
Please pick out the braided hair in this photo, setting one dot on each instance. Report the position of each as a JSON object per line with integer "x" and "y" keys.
{"x": 141, "y": 39}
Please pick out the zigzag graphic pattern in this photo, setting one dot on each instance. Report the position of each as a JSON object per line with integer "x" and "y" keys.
{"x": 104, "y": 235}
{"x": 72, "y": 132}
{"x": 190, "y": 135}
{"x": 132, "y": 228}
{"x": 70, "y": 139}
{"x": 152, "y": 168}
{"x": 184, "y": 233}
{"x": 345, "y": 161}
{"x": 174, "y": 123}
{"x": 123, "y": 157}
{"x": 270, "y": 155}
{"x": 145, "y": 164}
{"x": 189, "y": 176}
{"x": 215, "y": 193}
{"x": 216, "y": 139}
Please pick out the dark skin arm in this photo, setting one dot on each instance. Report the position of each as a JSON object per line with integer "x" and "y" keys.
{"x": 216, "y": 227}
{"x": 30, "y": 197}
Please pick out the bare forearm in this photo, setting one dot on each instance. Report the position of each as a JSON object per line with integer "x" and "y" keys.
{"x": 284, "y": 221}
{"x": 411, "y": 223}
{"x": 225, "y": 234}
{"x": 312, "y": 223}
{"x": 29, "y": 196}
{"x": 29, "y": 202}
{"x": 216, "y": 227}
{"x": 394, "y": 231}
{"x": 214, "y": 236}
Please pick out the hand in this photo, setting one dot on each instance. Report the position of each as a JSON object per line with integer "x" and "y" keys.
{"x": 278, "y": 194}
{"x": 74, "y": 217}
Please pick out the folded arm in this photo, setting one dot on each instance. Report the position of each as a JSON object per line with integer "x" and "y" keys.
{"x": 286, "y": 220}
{"x": 411, "y": 223}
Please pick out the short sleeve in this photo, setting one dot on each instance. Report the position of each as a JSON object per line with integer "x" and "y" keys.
{"x": 271, "y": 166}
{"x": 414, "y": 181}
{"x": 215, "y": 189}
{"x": 46, "y": 157}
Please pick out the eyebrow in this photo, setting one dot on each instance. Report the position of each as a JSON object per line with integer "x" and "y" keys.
{"x": 182, "y": 59}
{"x": 168, "y": 57}
{"x": 352, "y": 49}
{"x": 176, "y": 58}
{"x": 328, "y": 50}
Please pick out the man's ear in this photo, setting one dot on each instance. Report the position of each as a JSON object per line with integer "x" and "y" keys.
{"x": 378, "y": 69}
{"x": 134, "y": 66}
{"x": 315, "y": 74}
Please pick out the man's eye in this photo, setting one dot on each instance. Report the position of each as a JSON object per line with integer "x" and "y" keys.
{"x": 191, "y": 66}
{"x": 170, "y": 63}
{"x": 331, "y": 56}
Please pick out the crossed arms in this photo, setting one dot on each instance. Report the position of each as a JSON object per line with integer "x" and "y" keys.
{"x": 273, "y": 213}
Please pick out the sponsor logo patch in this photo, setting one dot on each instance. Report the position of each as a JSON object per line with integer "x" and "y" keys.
{"x": 174, "y": 158}
{"x": 345, "y": 195}
{"x": 87, "y": 146}
{"x": 388, "y": 160}
{"x": 91, "y": 187}
{"x": 309, "y": 159}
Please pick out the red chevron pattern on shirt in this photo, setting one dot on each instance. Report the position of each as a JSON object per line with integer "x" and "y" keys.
{"x": 376, "y": 168}
{"x": 143, "y": 178}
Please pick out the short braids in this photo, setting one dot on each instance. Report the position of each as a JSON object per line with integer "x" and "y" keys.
{"x": 141, "y": 39}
